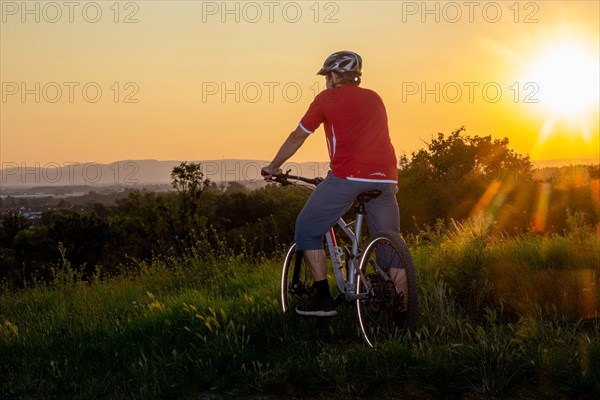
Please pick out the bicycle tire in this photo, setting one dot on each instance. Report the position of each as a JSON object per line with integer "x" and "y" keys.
{"x": 391, "y": 304}
{"x": 292, "y": 293}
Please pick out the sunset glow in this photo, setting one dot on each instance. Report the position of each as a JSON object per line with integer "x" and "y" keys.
{"x": 202, "y": 80}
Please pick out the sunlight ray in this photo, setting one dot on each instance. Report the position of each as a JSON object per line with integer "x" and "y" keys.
{"x": 586, "y": 131}
{"x": 543, "y": 203}
{"x": 492, "y": 201}
{"x": 486, "y": 198}
{"x": 595, "y": 195}
{"x": 546, "y": 130}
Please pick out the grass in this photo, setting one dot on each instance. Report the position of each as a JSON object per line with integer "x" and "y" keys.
{"x": 498, "y": 320}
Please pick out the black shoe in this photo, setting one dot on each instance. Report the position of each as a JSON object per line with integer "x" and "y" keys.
{"x": 317, "y": 307}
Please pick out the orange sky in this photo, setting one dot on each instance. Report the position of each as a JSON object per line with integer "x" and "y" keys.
{"x": 195, "y": 80}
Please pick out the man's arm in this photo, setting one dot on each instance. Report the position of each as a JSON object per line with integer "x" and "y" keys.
{"x": 288, "y": 149}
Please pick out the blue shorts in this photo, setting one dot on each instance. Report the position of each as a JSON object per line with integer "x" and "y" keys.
{"x": 330, "y": 201}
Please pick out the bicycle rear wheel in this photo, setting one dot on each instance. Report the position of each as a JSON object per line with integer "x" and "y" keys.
{"x": 297, "y": 284}
{"x": 389, "y": 285}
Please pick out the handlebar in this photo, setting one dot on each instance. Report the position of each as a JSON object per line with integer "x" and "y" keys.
{"x": 284, "y": 179}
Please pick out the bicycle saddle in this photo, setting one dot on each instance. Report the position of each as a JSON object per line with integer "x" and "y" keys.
{"x": 369, "y": 195}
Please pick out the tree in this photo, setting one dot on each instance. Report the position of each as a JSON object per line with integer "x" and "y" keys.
{"x": 10, "y": 225}
{"x": 447, "y": 178}
{"x": 459, "y": 157}
{"x": 235, "y": 187}
{"x": 188, "y": 178}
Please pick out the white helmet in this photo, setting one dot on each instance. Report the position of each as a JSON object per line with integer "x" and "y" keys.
{"x": 342, "y": 62}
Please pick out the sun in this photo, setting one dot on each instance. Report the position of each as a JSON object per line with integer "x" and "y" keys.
{"x": 565, "y": 73}
{"x": 566, "y": 77}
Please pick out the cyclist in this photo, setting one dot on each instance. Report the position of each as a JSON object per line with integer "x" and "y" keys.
{"x": 361, "y": 156}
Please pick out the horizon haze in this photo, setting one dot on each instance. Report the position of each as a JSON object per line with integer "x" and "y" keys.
{"x": 158, "y": 172}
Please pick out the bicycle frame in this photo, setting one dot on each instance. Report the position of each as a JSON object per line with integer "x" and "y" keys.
{"x": 346, "y": 285}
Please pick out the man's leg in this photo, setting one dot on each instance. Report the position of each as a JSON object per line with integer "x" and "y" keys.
{"x": 321, "y": 305}
{"x": 326, "y": 205}
{"x": 317, "y": 263}
{"x": 383, "y": 215}
{"x": 398, "y": 276}
{"x": 318, "y": 268}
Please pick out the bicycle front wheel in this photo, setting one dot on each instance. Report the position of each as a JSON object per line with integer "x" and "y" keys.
{"x": 297, "y": 284}
{"x": 387, "y": 289}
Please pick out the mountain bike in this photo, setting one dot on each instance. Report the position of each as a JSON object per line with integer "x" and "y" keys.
{"x": 379, "y": 279}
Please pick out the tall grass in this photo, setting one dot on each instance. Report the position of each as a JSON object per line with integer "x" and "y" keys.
{"x": 494, "y": 323}
{"x": 525, "y": 275}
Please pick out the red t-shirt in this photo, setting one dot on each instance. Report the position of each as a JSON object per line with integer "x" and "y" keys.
{"x": 357, "y": 133}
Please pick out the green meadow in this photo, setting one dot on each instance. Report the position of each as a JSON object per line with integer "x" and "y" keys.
{"x": 500, "y": 317}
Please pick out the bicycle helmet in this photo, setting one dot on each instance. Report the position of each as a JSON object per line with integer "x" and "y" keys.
{"x": 342, "y": 62}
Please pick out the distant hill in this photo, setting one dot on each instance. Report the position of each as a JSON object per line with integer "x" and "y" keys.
{"x": 140, "y": 173}
{"x": 148, "y": 173}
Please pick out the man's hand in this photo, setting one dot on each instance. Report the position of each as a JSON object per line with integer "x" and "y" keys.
{"x": 269, "y": 171}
